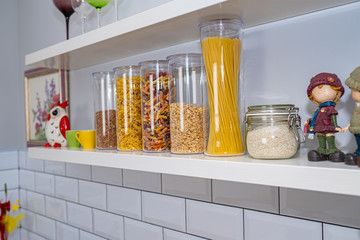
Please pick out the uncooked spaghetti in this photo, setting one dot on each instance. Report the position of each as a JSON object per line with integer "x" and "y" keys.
{"x": 222, "y": 63}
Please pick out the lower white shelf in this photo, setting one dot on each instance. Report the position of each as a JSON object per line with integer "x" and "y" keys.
{"x": 296, "y": 173}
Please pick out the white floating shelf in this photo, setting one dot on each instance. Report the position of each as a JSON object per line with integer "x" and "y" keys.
{"x": 166, "y": 25}
{"x": 296, "y": 173}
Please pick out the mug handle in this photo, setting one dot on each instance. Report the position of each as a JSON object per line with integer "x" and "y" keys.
{"x": 77, "y": 136}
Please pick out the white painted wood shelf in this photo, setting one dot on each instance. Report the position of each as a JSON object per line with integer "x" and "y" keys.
{"x": 169, "y": 24}
{"x": 296, "y": 173}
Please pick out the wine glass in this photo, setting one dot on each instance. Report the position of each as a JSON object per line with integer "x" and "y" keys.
{"x": 82, "y": 8}
{"x": 98, "y": 4}
{"x": 66, "y": 8}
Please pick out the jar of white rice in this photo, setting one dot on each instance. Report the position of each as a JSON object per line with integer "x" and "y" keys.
{"x": 273, "y": 131}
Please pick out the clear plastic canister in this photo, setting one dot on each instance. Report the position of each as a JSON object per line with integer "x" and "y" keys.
{"x": 186, "y": 104}
{"x": 105, "y": 110}
{"x": 273, "y": 131}
{"x": 128, "y": 108}
{"x": 221, "y": 49}
{"x": 155, "y": 109}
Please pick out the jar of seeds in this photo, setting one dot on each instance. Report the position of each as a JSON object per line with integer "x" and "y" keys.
{"x": 105, "y": 110}
{"x": 186, "y": 106}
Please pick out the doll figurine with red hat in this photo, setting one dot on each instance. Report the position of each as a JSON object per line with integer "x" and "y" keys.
{"x": 353, "y": 82}
{"x": 325, "y": 90}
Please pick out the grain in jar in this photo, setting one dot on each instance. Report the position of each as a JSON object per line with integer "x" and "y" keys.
{"x": 186, "y": 106}
{"x": 273, "y": 131}
{"x": 105, "y": 110}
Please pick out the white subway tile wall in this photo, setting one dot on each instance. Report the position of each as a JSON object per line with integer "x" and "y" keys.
{"x": 67, "y": 188}
{"x": 92, "y": 194}
{"x": 45, "y": 227}
{"x": 55, "y": 208}
{"x": 66, "y": 232}
{"x": 333, "y": 232}
{"x": 261, "y": 226}
{"x": 10, "y": 177}
{"x": 61, "y": 202}
{"x": 45, "y": 183}
{"x": 214, "y": 221}
{"x": 124, "y": 201}
{"x": 89, "y": 236}
{"x": 107, "y": 175}
{"x": 175, "y": 235}
{"x": 53, "y": 167}
{"x": 139, "y": 230}
{"x": 164, "y": 210}
{"x": 78, "y": 171}
{"x": 8, "y": 160}
{"x": 79, "y": 216}
{"x": 108, "y": 225}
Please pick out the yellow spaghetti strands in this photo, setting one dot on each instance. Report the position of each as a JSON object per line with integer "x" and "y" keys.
{"x": 128, "y": 103}
{"x": 222, "y": 63}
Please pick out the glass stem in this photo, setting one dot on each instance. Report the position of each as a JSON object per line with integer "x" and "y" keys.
{"x": 67, "y": 27}
{"x": 83, "y": 20}
{"x": 98, "y": 16}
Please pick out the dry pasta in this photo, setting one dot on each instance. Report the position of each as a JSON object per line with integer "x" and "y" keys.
{"x": 129, "y": 113}
{"x": 222, "y": 63}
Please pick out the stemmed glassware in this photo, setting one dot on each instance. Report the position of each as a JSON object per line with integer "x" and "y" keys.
{"x": 66, "y": 8}
{"x": 82, "y": 8}
{"x": 98, "y": 4}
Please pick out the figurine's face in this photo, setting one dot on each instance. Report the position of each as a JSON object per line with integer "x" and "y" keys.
{"x": 355, "y": 94}
{"x": 324, "y": 93}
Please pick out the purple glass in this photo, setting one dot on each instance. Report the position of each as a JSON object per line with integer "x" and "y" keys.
{"x": 66, "y": 8}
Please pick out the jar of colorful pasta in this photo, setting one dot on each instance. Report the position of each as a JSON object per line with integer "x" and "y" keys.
{"x": 221, "y": 49}
{"x": 273, "y": 131}
{"x": 155, "y": 105}
{"x": 128, "y": 108}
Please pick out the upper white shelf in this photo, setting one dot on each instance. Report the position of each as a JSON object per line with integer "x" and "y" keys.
{"x": 296, "y": 173}
{"x": 169, "y": 24}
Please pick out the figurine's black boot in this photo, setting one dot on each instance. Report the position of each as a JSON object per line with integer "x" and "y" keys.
{"x": 338, "y": 156}
{"x": 351, "y": 159}
{"x": 315, "y": 156}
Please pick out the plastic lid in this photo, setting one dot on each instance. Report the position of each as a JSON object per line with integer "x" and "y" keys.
{"x": 221, "y": 21}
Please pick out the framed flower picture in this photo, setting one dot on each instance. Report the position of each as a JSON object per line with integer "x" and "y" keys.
{"x": 44, "y": 88}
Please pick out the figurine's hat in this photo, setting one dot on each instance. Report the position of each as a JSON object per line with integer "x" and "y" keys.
{"x": 325, "y": 79}
{"x": 354, "y": 80}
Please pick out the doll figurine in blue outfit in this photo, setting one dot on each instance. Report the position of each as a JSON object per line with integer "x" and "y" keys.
{"x": 325, "y": 90}
{"x": 353, "y": 82}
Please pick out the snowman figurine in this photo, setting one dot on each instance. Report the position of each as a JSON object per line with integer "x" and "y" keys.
{"x": 56, "y": 126}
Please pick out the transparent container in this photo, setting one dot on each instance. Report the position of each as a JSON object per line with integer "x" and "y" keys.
{"x": 221, "y": 49}
{"x": 155, "y": 109}
{"x": 273, "y": 131}
{"x": 128, "y": 108}
{"x": 186, "y": 104}
{"x": 105, "y": 110}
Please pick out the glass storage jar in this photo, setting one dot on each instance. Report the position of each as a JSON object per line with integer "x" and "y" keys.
{"x": 128, "y": 108}
{"x": 154, "y": 83}
{"x": 273, "y": 131}
{"x": 186, "y": 105}
{"x": 105, "y": 110}
{"x": 221, "y": 48}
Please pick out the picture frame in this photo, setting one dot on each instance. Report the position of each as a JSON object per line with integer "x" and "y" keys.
{"x": 44, "y": 88}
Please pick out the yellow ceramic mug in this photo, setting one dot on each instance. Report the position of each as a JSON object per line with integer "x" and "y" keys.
{"x": 86, "y": 138}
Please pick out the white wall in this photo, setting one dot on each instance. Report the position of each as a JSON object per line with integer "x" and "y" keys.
{"x": 9, "y": 100}
{"x": 279, "y": 59}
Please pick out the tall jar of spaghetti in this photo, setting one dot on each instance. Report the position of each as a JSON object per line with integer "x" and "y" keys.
{"x": 221, "y": 48}
{"x": 128, "y": 108}
{"x": 155, "y": 110}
